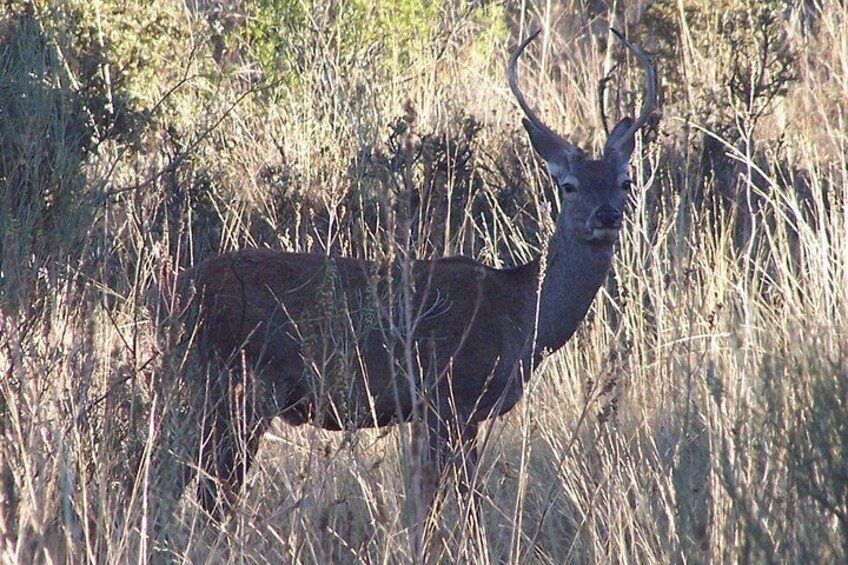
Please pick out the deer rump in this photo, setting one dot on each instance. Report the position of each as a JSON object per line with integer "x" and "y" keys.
{"x": 339, "y": 342}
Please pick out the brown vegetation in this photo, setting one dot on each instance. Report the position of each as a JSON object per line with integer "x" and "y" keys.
{"x": 697, "y": 414}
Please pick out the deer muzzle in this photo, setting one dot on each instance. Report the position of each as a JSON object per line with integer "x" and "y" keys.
{"x": 605, "y": 223}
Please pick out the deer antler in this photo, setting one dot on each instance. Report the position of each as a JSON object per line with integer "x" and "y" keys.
{"x": 650, "y": 101}
{"x": 512, "y": 77}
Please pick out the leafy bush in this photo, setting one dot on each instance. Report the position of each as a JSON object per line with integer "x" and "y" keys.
{"x": 289, "y": 38}
{"x": 59, "y": 102}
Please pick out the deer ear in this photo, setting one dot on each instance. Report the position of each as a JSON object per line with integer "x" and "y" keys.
{"x": 620, "y": 141}
{"x": 558, "y": 154}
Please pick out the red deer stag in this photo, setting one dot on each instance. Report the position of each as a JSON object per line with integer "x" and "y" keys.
{"x": 342, "y": 344}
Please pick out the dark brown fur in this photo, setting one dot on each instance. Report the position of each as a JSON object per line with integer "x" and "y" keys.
{"x": 323, "y": 340}
{"x": 346, "y": 344}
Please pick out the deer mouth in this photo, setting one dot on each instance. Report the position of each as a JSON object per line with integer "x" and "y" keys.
{"x": 604, "y": 235}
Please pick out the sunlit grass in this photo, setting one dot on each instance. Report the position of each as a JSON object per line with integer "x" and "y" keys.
{"x": 698, "y": 413}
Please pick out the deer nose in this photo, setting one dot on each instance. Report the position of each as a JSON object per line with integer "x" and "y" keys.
{"x": 608, "y": 217}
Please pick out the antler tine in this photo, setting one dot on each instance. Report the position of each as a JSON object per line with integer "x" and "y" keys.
{"x": 512, "y": 78}
{"x": 650, "y": 101}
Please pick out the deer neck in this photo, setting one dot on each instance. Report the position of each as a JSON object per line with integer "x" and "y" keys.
{"x": 573, "y": 272}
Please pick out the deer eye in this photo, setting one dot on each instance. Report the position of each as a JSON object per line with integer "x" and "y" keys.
{"x": 568, "y": 187}
{"x": 626, "y": 185}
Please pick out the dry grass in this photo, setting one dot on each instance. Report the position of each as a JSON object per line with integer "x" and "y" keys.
{"x": 699, "y": 413}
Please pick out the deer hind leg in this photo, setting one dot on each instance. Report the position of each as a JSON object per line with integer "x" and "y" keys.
{"x": 232, "y": 428}
{"x": 173, "y": 463}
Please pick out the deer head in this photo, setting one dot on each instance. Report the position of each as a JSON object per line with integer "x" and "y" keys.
{"x": 593, "y": 191}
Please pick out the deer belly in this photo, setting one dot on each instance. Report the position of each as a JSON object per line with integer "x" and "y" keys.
{"x": 346, "y": 401}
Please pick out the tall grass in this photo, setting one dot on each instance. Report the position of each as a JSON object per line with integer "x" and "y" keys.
{"x": 698, "y": 414}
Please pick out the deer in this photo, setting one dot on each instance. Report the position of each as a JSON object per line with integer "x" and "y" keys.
{"x": 343, "y": 343}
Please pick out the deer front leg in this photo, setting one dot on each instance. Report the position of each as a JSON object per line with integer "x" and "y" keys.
{"x": 466, "y": 458}
{"x": 453, "y": 444}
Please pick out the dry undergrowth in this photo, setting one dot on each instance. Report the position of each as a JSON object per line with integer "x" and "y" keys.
{"x": 698, "y": 414}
